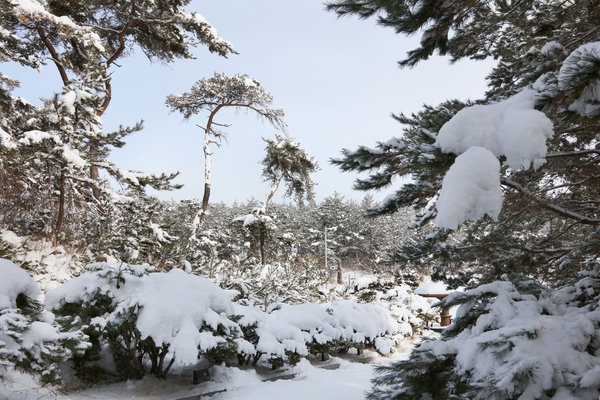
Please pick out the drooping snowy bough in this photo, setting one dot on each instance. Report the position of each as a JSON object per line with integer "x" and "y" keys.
{"x": 478, "y": 135}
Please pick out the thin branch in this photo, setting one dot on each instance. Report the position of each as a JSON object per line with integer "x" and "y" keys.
{"x": 55, "y": 57}
{"x": 582, "y": 219}
{"x": 223, "y": 125}
{"x": 113, "y": 58}
{"x": 573, "y": 153}
{"x": 121, "y": 36}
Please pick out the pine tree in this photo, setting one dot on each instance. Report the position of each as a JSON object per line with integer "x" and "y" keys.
{"x": 239, "y": 92}
{"x": 285, "y": 161}
{"x": 545, "y": 210}
{"x": 52, "y": 154}
{"x": 547, "y": 61}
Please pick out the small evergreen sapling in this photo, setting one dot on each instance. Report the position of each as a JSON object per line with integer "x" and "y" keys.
{"x": 30, "y": 340}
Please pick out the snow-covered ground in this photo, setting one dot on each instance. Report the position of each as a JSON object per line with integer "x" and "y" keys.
{"x": 349, "y": 381}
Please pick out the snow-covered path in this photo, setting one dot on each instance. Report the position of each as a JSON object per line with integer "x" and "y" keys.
{"x": 349, "y": 382}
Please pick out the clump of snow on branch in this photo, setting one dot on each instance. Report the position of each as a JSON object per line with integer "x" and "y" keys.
{"x": 209, "y": 32}
{"x": 471, "y": 189}
{"x": 257, "y": 214}
{"x": 72, "y": 97}
{"x": 583, "y": 61}
{"x": 512, "y": 128}
{"x": 479, "y": 135}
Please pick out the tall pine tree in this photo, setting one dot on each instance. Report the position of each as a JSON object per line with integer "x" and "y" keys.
{"x": 533, "y": 216}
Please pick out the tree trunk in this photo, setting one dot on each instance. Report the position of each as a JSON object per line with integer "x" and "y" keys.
{"x": 61, "y": 207}
{"x": 263, "y": 250}
{"x": 207, "y": 176}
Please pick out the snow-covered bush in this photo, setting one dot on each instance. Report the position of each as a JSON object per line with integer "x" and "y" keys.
{"x": 508, "y": 341}
{"x": 287, "y": 334}
{"x": 141, "y": 322}
{"x": 148, "y": 321}
{"x": 271, "y": 285}
{"x": 410, "y": 310}
{"x": 30, "y": 340}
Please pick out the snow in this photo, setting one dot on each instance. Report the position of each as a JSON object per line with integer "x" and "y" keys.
{"x": 471, "y": 189}
{"x": 72, "y": 156}
{"x": 132, "y": 176}
{"x": 34, "y": 136}
{"x": 14, "y": 282}
{"x": 587, "y": 103}
{"x": 364, "y": 281}
{"x": 293, "y": 328}
{"x": 40, "y": 332}
{"x": 349, "y": 382}
{"x": 551, "y": 47}
{"x": 6, "y": 140}
{"x": 433, "y": 288}
{"x": 512, "y": 128}
{"x": 479, "y": 135}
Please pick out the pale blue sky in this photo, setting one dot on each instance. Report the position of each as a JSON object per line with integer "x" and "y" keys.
{"x": 336, "y": 80}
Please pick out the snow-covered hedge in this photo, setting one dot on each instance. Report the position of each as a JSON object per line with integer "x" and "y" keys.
{"x": 295, "y": 331}
{"x": 141, "y": 322}
{"x": 508, "y": 341}
{"x": 30, "y": 340}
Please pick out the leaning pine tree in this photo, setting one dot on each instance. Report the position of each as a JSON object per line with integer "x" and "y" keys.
{"x": 511, "y": 182}
{"x": 239, "y": 92}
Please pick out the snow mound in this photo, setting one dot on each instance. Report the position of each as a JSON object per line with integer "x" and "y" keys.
{"x": 14, "y": 282}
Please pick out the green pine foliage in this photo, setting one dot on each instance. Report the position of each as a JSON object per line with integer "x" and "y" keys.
{"x": 547, "y": 212}
{"x": 30, "y": 339}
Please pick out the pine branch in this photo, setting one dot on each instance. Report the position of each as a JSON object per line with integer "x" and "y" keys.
{"x": 549, "y": 206}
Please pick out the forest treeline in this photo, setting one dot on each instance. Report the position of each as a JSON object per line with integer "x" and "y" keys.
{"x": 328, "y": 236}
